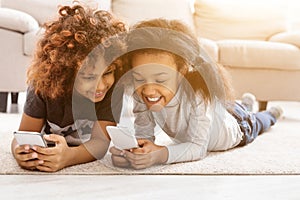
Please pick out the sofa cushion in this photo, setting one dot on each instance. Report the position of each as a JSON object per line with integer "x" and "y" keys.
{"x": 239, "y": 19}
{"x": 291, "y": 37}
{"x": 45, "y": 10}
{"x": 293, "y": 15}
{"x": 259, "y": 54}
{"x": 17, "y": 21}
{"x": 42, "y": 11}
{"x": 132, "y": 11}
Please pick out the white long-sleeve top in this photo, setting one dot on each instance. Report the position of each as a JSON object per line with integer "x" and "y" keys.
{"x": 194, "y": 127}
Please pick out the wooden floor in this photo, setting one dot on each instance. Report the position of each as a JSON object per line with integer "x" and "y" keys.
{"x": 149, "y": 187}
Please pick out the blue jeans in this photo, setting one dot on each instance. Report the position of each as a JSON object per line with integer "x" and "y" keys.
{"x": 251, "y": 124}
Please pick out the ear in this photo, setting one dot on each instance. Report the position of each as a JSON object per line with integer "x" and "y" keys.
{"x": 183, "y": 70}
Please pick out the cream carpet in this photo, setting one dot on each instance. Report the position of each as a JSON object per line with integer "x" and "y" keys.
{"x": 275, "y": 152}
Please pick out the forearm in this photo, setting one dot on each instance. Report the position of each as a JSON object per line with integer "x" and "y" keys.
{"x": 86, "y": 152}
{"x": 78, "y": 155}
{"x": 161, "y": 155}
{"x": 93, "y": 149}
{"x": 185, "y": 152}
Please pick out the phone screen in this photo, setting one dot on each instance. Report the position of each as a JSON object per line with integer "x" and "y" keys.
{"x": 30, "y": 138}
{"x": 121, "y": 137}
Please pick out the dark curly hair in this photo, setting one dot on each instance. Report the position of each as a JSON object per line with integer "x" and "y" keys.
{"x": 67, "y": 42}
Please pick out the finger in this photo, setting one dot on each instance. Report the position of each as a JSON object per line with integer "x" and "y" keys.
{"x": 31, "y": 164}
{"x": 141, "y": 142}
{"x": 35, "y": 156}
{"x": 146, "y": 146}
{"x": 120, "y": 161}
{"x": 57, "y": 139}
{"x": 31, "y": 168}
{"x": 45, "y": 151}
{"x": 44, "y": 168}
{"x": 49, "y": 166}
{"x": 22, "y": 149}
{"x": 43, "y": 157}
{"x": 142, "y": 161}
{"x": 138, "y": 166}
{"x": 54, "y": 159}
{"x": 134, "y": 157}
{"x": 115, "y": 151}
{"x": 27, "y": 156}
{"x": 139, "y": 159}
{"x": 138, "y": 150}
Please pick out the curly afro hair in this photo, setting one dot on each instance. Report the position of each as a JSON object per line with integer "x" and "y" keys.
{"x": 67, "y": 41}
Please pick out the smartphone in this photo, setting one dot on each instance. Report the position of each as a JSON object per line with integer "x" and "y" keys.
{"x": 30, "y": 138}
{"x": 121, "y": 137}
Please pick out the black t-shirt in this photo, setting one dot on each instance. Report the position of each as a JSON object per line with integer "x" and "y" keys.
{"x": 73, "y": 116}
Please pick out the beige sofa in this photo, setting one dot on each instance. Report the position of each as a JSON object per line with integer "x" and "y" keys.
{"x": 257, "y": 41}
{"x": 20, "y": 22}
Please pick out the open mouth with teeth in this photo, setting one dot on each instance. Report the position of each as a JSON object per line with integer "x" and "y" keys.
{"x": 153, "y": 100}
{"x": 154, "y": 103}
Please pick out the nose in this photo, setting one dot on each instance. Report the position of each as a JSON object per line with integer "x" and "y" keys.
{"x": 148, "y": 89}
{"x": 101, "y": 84}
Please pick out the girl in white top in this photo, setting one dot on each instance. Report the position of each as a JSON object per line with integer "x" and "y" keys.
{"x": 190, "y": 99}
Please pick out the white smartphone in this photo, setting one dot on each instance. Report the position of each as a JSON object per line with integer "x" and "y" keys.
{"x": 30, "y": 138}
{"x": 121, "y": 137}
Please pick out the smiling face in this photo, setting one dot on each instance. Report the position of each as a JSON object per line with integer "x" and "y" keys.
{"x": 93, "y": 82}
{"x": 156, "y": 78}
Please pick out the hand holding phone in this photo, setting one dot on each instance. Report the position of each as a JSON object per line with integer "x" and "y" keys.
{"x": 121, "y": 137}
{"x": 30, "y": 138}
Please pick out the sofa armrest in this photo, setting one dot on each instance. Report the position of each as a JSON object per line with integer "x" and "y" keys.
{"x": 290, "y": 37}
{"x": 17, "y": 21}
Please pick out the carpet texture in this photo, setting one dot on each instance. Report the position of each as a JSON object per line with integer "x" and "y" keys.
{"x": 274, "y": 152}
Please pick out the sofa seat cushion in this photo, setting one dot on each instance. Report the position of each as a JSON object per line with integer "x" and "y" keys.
{"x": 132, "y": 11}
{"x": 259, "y": 54}
{"x": 240, "y": 19}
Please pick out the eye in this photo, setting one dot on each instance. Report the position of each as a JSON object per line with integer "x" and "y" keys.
{"x": 138, "y": 78}
{"x": 108, "y": 73}
{"x": 161, "y": 81}
{"x": 89, "y": 78}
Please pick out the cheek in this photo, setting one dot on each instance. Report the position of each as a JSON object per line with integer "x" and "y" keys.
{"x": 137, "y": 86}
{"x": 84, "y": 85}
{"x": 169, "y": 88}
{"x": 110, "y": 81}
{"x": 168, "y": 93}
{"x": 139, "y": 90}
